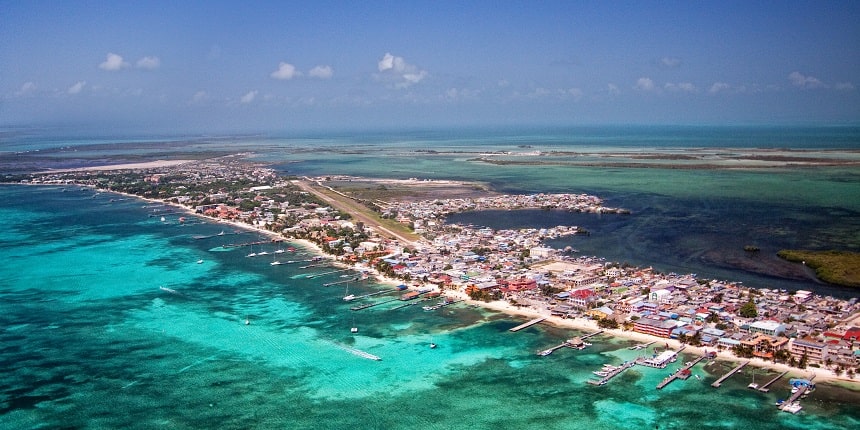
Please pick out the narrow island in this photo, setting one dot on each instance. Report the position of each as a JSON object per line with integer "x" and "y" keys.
{"x": 396, "y": 230}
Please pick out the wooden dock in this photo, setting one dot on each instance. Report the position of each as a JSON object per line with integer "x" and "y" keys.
{"x": 612, "y": 374}
{"x": 370, "y": 305}
{"x": 528, "y": 324}
{"x": 682, "y": 373}
{"x": 737, "y": 369}
{"x": 591, "y": 334}
{"x": 329, "y": 284}
{"x": 764, "y": 388}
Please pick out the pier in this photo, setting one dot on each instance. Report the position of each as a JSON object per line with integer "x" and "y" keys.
{"x": 682, "y": 373}
{"x": 643, "y": 345}
{"x": 325, "y": 263}
{"x": 327, "y": 273}
{"x": 364, "y": 296}
{"x": 615, "y": 372}
{"x": 527, "y": 324}
{"x": 591, "y": 334}
{"x": 764, "y": 388}
{"x": 549, "y": 351}
{"x": 239, "y": 245}
{"x": 728, "y": 375}
{"x": 329, "y": 284}
{"x": 370, "y": 305}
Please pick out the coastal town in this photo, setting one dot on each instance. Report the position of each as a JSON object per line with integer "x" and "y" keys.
{"x": 512, "y": 269}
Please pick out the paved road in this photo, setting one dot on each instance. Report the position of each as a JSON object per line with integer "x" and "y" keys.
{"x": 358, "y": 211}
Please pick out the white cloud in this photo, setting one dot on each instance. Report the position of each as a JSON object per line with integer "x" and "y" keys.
{"x": 199, "y": 97}
{"x": 76, "y": 88}
{"x": 799, "y": 80}
{"x": 248, "y": 98}
{"x": 113, "y": 62}
{"x": 322, "y": 72}
{"x": 682, "y": 87}
{"x": 844, "y": 86}
{"x": 719, "y": 87}
{"x": 148, "y": 63}
{"x": 396, "y": 70}
{"x": 613, "y": 89}
{"x": 285, "y": 72}
{"x": 670, "y": 62}
{"x": 26, "y": 88}
{"x": 644, "y": 84}
{"x": 575, "y": 93}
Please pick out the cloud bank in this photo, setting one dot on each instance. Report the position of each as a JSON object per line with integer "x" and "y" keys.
{"x": 398, "y": 72}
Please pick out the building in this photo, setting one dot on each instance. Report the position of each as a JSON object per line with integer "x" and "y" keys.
{"x": 654, "y": 327}
{"x": 815, "y": 351}
{"x": 767, "y": 327}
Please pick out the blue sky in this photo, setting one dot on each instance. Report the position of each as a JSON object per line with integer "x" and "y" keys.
{"x": 277, "y": 66}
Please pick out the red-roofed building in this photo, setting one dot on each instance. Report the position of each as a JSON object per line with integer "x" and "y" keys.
{"x": 521, "y": 284}
{"x": 853, "y": 334}
{"x": 582, "y": 298}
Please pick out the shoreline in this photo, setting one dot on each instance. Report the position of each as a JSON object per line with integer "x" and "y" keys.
{"x": 580, "y": 324}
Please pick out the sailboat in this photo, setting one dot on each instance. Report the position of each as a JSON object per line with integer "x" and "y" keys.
{"x": 752, "y": 384}
{"x": 354, "y": 329}
{"x": 348, "y": 297}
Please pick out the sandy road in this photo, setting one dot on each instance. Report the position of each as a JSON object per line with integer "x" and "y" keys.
{"x": 358, "y": 211}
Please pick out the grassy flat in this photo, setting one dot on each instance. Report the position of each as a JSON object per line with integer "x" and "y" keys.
{"x": 835, "y": 267}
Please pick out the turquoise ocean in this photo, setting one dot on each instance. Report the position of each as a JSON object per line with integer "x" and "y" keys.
{"x": 89, "y": 339}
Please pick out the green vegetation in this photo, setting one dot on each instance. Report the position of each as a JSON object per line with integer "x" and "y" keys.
{"x": 748, "y": 309}
{"x": 835, "y": 267}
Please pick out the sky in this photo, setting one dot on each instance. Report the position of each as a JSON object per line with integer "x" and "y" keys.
{"x": 275, "y": 66}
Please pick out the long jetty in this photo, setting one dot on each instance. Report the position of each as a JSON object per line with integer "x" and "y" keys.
{"x": 370, "y": 305}
{"x": 591, "y": 334}
{"x": 682, "y": 373}
{"x": 737, "y": 369}
{"x": 617, "y": 371}
{"x": 527, "y": 324}
{"x": 326, "y": 273}
{"x": 329, "y": 284}
{"x": 764, "y": 388}
{"x": 364, "y": 296}
{"x": 237, "y": 245}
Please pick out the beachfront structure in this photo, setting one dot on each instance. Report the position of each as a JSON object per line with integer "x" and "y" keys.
{"x": 768, "y": 327}
{"x": 659, "y": 361}
{"x": 814, "y": 350}
{"x": 654, "y": 327}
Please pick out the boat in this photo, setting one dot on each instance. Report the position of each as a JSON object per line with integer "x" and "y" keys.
{"x": 793, "y": 407}
{"x": 545, "y": 352}
{"x": 253, "y": 254}
{"x": 353, "y": 330}
{"x": 247, "y": 321}
{"x": 752, "y": 384}
{"x": 279, "y": 251}
{"x": 163, "y": 219}
{"x": 222, "y": 233}
{"x": 199, "y": 261}
{"x": 348, "y": 297}
{"x": 276, "y": 263}
{"x": 263, "y": 253}
{"x": 432, "y": 345}
{"x": 169, "y": 290}
{"x": 601, "y": 373}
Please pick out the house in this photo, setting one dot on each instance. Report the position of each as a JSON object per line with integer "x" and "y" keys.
{"x": 654, "y": 327}
{"x": 768, "y": 327}
{"x": 815, "y": 351}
